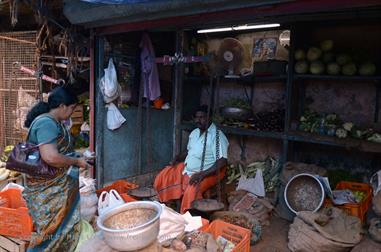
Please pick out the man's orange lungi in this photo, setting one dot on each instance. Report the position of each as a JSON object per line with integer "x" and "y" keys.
{"x": 171, "y": 184}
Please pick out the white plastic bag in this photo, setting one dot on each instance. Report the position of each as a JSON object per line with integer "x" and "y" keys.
{"x": 375, "y": 181}
{"x": 111, "y": 81}
{"x": 88, "y": 213}
{"x": 13, "y": 185}
{"x": 109, "y": 200}
{"x": 253, "y": 185}
{"x": 171, "y": 224}
{"x": 89, "y": 200}
{"x": 114, "y": 118}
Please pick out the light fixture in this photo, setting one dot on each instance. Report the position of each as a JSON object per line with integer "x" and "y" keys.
{"x": 239, "y": 28}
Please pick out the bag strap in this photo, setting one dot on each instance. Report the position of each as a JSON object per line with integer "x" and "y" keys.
{"x": 35, "y": 120}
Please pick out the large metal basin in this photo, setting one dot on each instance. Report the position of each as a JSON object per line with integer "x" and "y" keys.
{"x": 304, "y": 192}
{"x": 234, "y": 113}
{"x": 133, "y": 238}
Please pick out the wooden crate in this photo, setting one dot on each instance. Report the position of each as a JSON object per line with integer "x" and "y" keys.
{"x": 12, "y": 244}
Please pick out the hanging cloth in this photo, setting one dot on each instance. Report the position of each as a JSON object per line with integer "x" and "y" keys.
{"x": 149, "y": 73}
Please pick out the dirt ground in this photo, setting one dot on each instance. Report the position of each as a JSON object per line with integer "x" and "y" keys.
{"x": 274, "y": 237}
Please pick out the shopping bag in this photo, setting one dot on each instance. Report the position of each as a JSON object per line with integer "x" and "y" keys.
{"x": 108, "y": 201}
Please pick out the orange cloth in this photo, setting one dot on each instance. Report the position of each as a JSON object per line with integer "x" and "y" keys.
{"x": 171, "y": 184}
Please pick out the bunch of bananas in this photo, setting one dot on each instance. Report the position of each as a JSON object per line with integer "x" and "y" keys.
{"x": 5, "y": 173}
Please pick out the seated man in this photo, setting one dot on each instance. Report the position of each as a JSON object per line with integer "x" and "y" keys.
{"x": 184, "y": 178}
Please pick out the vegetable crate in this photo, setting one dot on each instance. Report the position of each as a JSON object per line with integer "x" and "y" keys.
{"x": 12, "y": 244}
{"x": 15, "y": 220}
{"x": 238, "y": 235}
{"x": 356, "y": 209}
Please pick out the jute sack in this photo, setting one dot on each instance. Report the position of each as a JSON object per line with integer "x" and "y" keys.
{"x": 323, "y": 233}
{"x": 367, "y": 245}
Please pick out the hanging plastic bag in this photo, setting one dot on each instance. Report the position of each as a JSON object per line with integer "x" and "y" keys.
{"x": 114, "y": 118}
{"x": 109, "y": 83}
{"x": 109, "y": 200}
{"x": 253, "y": 185}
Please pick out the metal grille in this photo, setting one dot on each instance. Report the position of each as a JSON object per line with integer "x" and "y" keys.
{"x": 17, "y": 90}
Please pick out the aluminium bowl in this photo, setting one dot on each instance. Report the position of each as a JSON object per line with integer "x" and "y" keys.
{"x": 134, "y": 238}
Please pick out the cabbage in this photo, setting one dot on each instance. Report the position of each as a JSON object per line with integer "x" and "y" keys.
{"x": 349, "y": 69}
{"x": 333, "y": 68}
{"x": 367, "y": 69}
{"x": 326, "y": 45}
{"x": 343, "y": 59}
{"x": 299, "y": 54}
{"x": 313, "y": 53}
{"x": 317, "y": 67}
{"x": 301, "y": 67}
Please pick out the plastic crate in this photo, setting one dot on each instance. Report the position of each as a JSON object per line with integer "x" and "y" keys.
{"x": 355, "y": 209}
{"x": 121, "y": 186}
{"x": 15, "y": 220}
{"x": 238, "y": 235}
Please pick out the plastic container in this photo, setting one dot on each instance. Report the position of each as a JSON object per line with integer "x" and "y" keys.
{"x": 238, "y": 235}
{"x": 15, "y": 220}
{"x": 121, "y": 186}
{"x": 355, "y": 209}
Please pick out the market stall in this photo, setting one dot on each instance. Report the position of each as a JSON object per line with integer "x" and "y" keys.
{"x": 298, "y": 101}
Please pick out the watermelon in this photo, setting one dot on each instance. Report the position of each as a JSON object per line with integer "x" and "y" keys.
{"x": 349, "y": 69}
{"x": 313, "y": 54}
{"x": 343, "y": 59}
{"x": 317, "y": 67}
{"x": 367, "y": 69}
{"x": 301, "y": 67}
{"x": 333, "y": 68}
{"x": 326, "y": 45}
{"x": 299, "y": 54}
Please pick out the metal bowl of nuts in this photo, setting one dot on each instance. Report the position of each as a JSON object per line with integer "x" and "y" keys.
{"x": 131, "y": 226}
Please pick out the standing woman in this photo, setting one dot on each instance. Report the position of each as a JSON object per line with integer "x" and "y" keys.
{"x": 54, "y": 203}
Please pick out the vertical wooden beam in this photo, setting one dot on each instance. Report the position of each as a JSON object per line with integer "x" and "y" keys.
{"x": 92, "y": 97}
{"x": 99, "y": 110}
{"x": 178, "y": 95}
{"x": 377, "y": 104}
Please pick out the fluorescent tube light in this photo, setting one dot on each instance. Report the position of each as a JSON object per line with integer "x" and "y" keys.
{"x": 249, "y": 27}
{"x": 238, "y": 28}
{"x": 215, "y": 30}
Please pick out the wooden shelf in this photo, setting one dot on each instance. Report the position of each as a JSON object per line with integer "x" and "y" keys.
{"x": 298, "y": 136}
{"x": 244, "y": 80}
{"x": 239, "y": 131}
{"x": 347, "y": 143}
{"x": 336, "y": 77}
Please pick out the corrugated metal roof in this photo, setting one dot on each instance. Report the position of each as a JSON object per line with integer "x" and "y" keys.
{"x": 97, "y": 15}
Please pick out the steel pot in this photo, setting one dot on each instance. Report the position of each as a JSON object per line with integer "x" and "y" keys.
{"x": 133, "y": 238}
{"x": 304, "y": 192}
{"x": 235, "y": 113}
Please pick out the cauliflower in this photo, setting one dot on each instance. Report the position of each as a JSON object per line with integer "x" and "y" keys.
{"x": 376, "y": 137}
{"x": 348, "y": 126}
{"x": 331, "y": 117}
{"x": 341, "y": 133}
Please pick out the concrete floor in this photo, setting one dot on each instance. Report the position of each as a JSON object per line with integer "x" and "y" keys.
{"x": 274, "y": 237}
